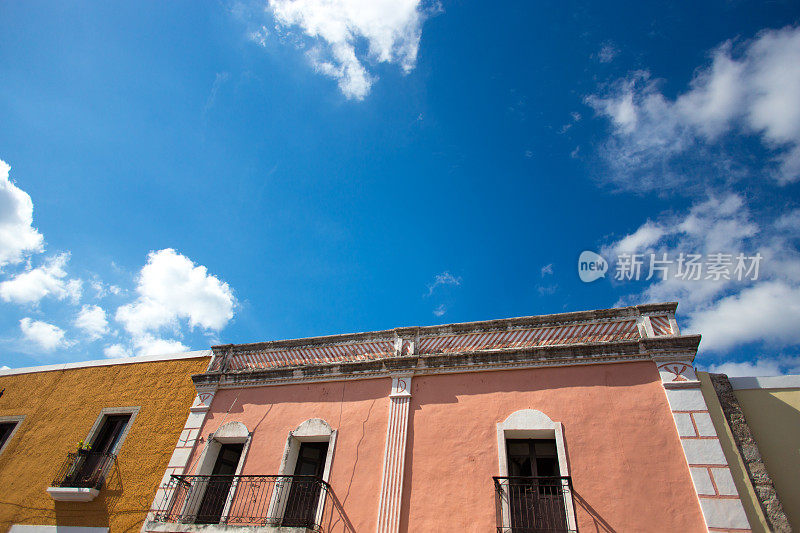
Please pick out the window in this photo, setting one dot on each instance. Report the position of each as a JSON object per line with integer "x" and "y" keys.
{"x": 219, "y": 485}
{"x": 88, "y": 466}
{"x": 8, "y": 426}
{"x": 300, "y": 501}
{"x": 533, "y": 489}
{"x": 96, "y": 460}
{"x": 110, "y": 429}
{"x": 211, "y": 491}
{"x": 5, "y": 431}
{"x": 304, "y": 493}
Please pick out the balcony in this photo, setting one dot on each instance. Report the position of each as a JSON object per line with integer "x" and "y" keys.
{"x": 81, "y": 476}
{"x": 291, "y": 503}
{"x": 534, "y": 505}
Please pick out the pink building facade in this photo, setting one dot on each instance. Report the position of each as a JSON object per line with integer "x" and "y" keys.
{"x": 587, "y": 421}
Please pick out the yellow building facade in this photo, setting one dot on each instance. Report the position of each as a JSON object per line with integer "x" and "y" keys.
{"x": 758, "y": 421}
{"x": 127, "y": 413}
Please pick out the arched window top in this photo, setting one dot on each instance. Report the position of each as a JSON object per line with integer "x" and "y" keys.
{"x": 313, "y": 427}
{"x": 232, "y": 432}
{"x": 527, "y": 419}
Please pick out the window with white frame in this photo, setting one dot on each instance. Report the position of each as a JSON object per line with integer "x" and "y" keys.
{"x": 8, "y": 427}
{"x": 533, "y": 488}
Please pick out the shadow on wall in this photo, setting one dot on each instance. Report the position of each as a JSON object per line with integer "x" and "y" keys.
{"x": 534, "y": 380}
{"x": 776, "y": 427}
{"x": 582, "y": 507}
{"x": 97, "y": 512}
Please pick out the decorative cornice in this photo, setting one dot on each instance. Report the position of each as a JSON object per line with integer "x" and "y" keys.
{"x": 683, "y": 347}
{"x": 565, "y": 329}
{"x": 538, "y": 321}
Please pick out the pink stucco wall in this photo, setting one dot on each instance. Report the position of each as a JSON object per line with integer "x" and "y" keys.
{"x": 626, "y": 462}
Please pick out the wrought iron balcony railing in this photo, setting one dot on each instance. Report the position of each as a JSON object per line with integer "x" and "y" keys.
{"x": 84, "y": 469}
{"x": 289, "y": 501}
{"x": 534, "y": 504}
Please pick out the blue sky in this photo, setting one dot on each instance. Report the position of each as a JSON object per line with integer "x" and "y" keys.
{"x": 183, "y": 174}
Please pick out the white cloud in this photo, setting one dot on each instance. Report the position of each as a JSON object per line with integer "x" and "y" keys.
{"x": 172, "y": 288}
{"x": 763, "y": 366}
{"x": 547, "y": 270}
{"x": 747, "y": 90}
{"x": 49, "y": 279}
{"x": 607, "y": 53}
{"x": 116, "y": 351}
{"x": 391, "y": 30}
{"x": 642, "y": 239}
{"x": 92, "y": 320}
{"x": 768, "y": 311}
{"x": 102, "y": 289}
{"x": 151, "y": 345}
{"x": 17, "y": 235}
{"x": 728, "y": 313}
{"x": 445, "y": 278}
{"x": 440, "y": 310}
{"x": 259, "y": 36}
{"x": 47, "y": 336}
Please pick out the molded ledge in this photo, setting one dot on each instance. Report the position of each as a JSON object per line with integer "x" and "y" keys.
{"x": 70, "y": 494}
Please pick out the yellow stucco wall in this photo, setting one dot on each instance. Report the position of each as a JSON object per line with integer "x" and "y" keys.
{"x": 60, "y": 408}
{"x": 774, "y": 418}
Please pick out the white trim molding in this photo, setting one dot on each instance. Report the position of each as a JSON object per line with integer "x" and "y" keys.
{"x": 533, "y": 424}
{"x": 765, "y": 382}
{"x": 717, "y": 495}
{"x": 17, "y": 422}
{"x": 107, "y": 362}
{"x": 187, "y": 441}
{"x": 110, "y": 411}
{"x": 18, "y": 528}
{"x": 394, "y": 456}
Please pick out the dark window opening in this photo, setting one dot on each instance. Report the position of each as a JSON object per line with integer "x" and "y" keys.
{"x": 536, "y": 490}
{"x": 93, "y": 464}
{"x": 5, "y": 431}
{"x": 219, "y": 484}
{"x": 304, "y": 493}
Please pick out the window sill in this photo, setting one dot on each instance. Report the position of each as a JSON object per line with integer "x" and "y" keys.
{"x": 70, "y": 494}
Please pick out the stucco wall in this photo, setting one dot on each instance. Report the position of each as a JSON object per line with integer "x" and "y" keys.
{"x": 357, "y": 409}
{"x": 774, "y": 418}
{"x": 60, "y": 408}
{"x": 628, "y": 468}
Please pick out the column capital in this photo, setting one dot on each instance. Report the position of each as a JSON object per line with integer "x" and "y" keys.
{"x": 401, "y": 386}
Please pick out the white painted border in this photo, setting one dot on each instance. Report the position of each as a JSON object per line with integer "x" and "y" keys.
{"x": 533, "y": 424}
{"x": 107, "y": 362}
{"x": 98, "y": 423}
{"x": 765, "y": 382}
{"x": 18, "y": 528}
{"x": 5, "y": 419}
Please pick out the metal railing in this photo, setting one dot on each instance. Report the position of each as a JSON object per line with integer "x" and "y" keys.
{"x": 84, "y": 469}
{"x": 288, "y": 501}
{"x": 533, "y": 504}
